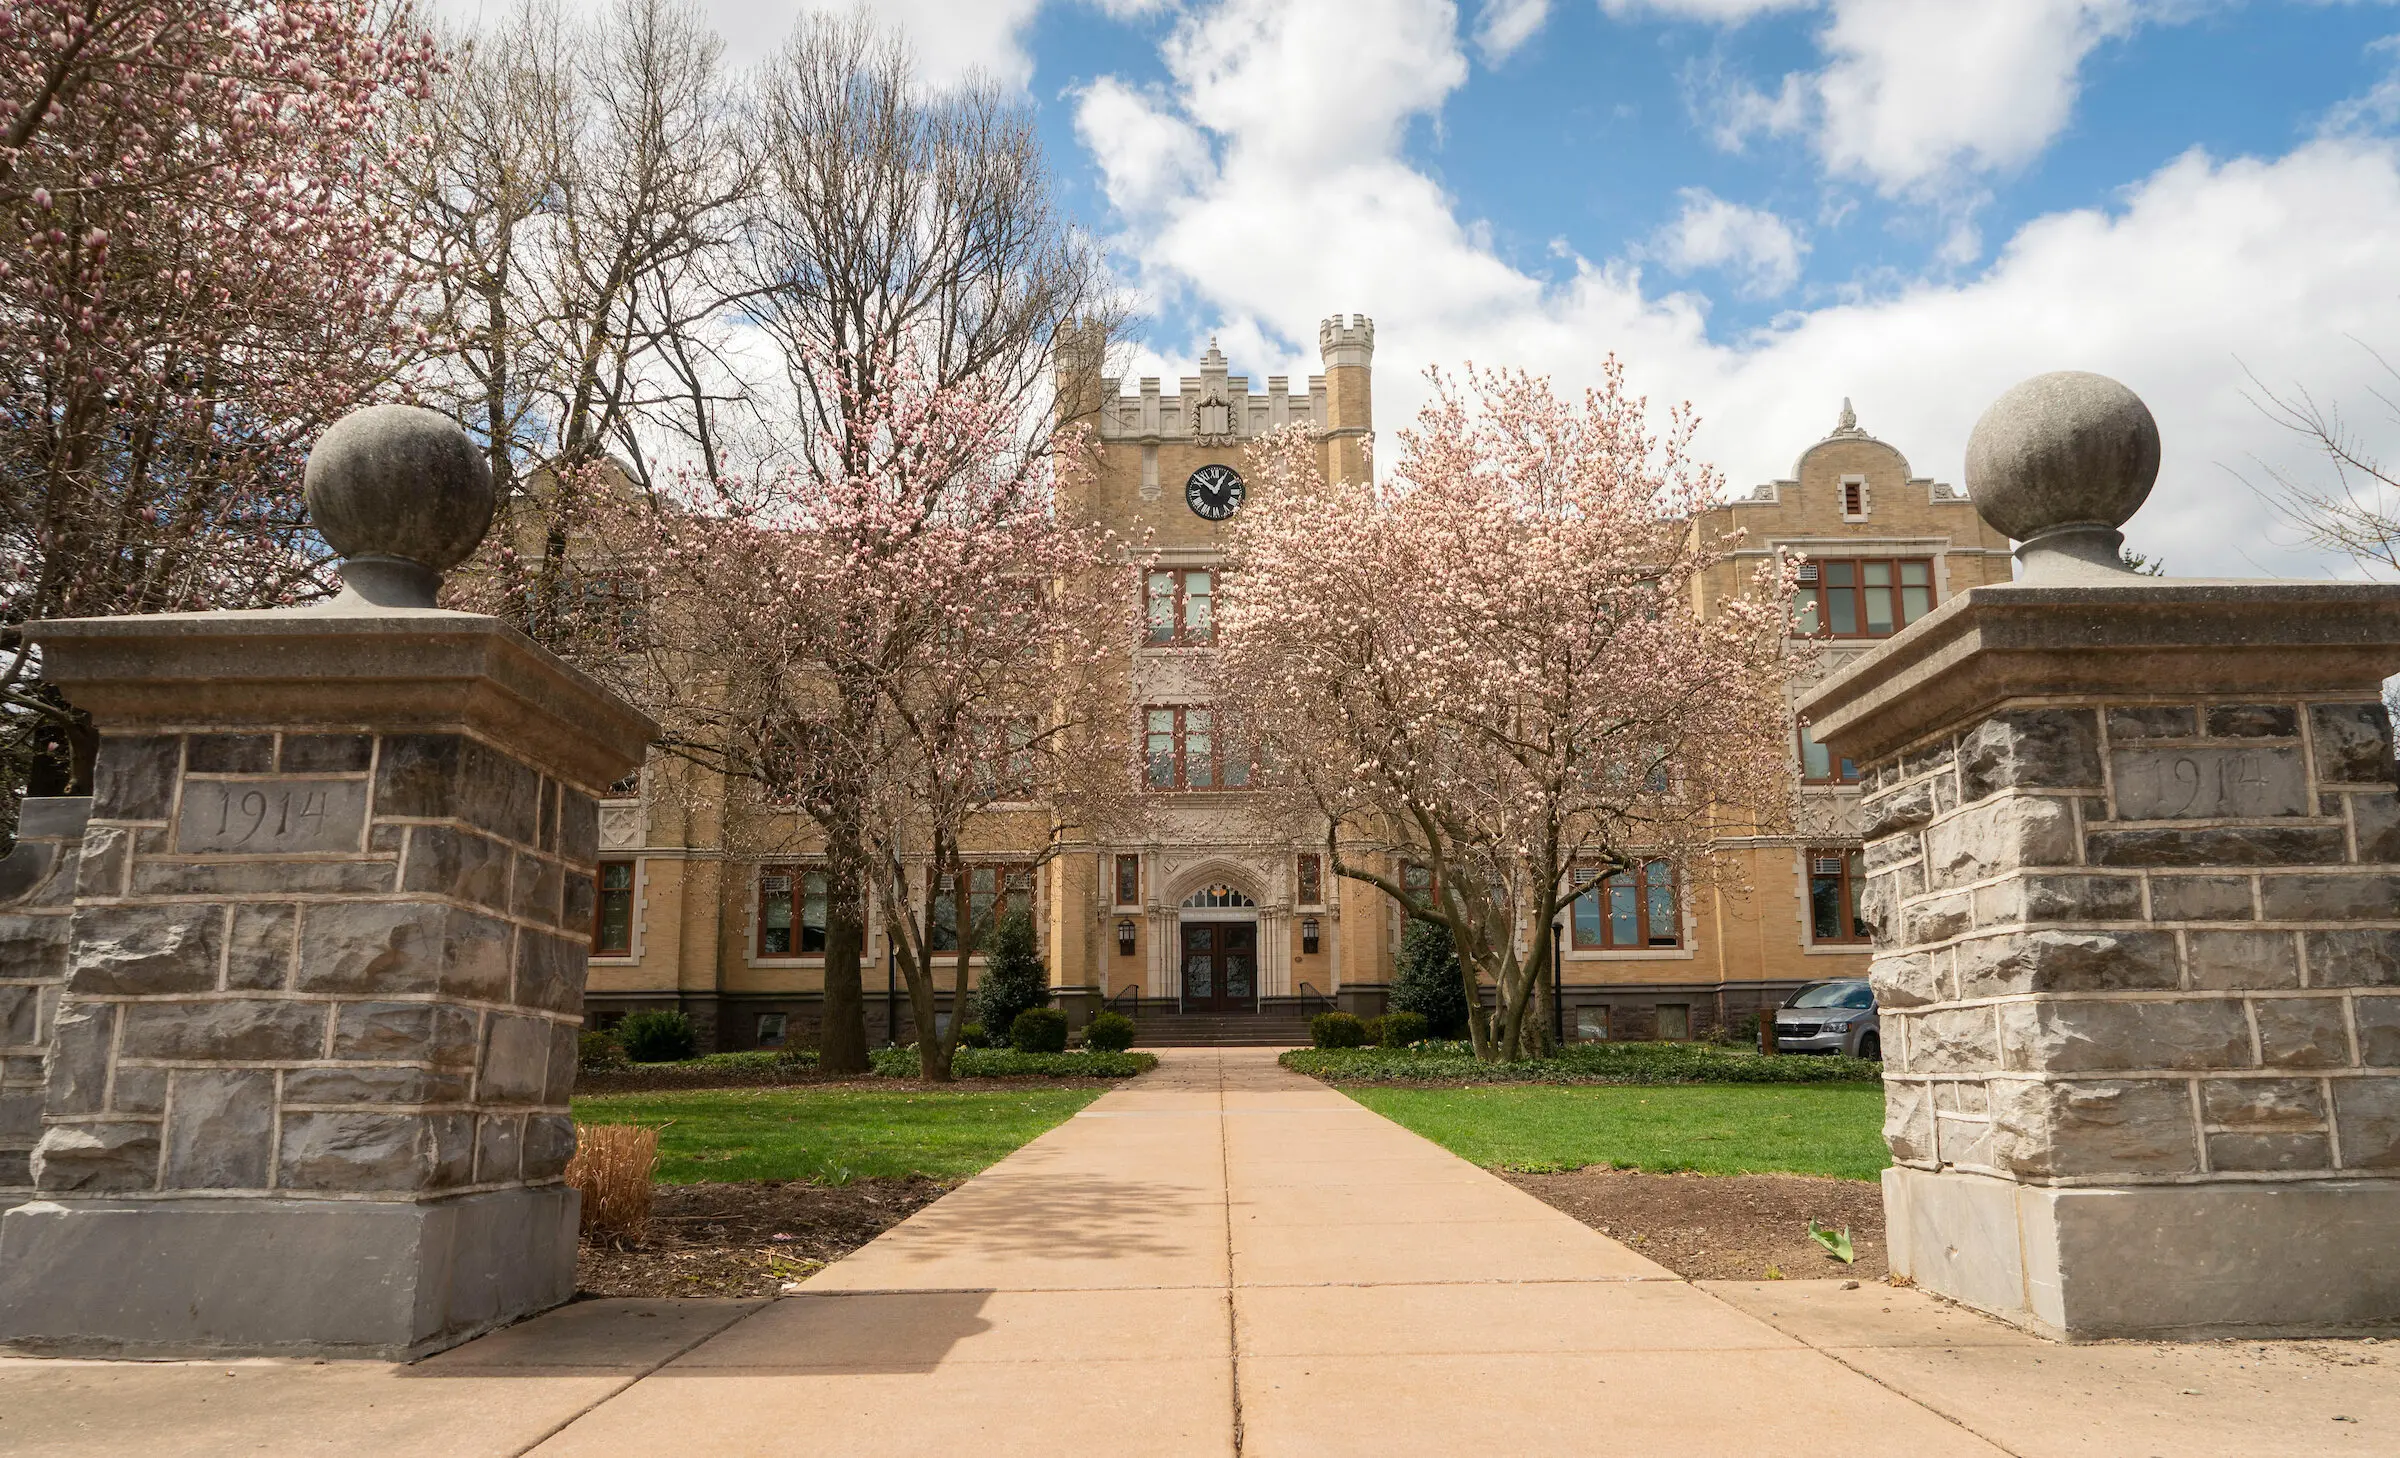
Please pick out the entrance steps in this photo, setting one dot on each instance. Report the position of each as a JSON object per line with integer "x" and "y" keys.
{"x": 1162, "y": 1028}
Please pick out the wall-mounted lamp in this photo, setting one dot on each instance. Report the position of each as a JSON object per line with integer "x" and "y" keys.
{"x": 1308, "y": 936}
{"x": 1125, "y": 937}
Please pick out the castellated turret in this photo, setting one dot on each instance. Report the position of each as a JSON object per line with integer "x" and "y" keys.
{"x": 1347, "y": 344}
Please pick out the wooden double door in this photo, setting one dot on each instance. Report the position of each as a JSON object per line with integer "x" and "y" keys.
{"x": 1220, "y": 966}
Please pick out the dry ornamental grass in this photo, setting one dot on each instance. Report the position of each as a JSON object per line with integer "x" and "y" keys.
{"x": 612, "y": 1168}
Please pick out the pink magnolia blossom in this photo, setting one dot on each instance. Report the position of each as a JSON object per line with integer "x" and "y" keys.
{"x": 1499, "y": 665}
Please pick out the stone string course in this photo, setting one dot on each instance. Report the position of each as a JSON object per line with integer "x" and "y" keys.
{"x": 2148, "y": 941}
{"x": 317, "y": 965}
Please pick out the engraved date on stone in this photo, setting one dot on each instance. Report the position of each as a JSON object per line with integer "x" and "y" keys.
{"x": 2208, "y": 784}
{"x": 271, "y": 817}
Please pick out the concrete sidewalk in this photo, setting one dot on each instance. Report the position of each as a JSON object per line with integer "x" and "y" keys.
{"x": 1225, "y": 1258}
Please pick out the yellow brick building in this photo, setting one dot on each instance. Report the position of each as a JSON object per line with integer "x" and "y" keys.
{"x": 1217, "y": 912}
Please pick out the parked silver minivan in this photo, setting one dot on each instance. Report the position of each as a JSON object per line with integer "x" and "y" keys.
{"x": 1831, "y": 1017}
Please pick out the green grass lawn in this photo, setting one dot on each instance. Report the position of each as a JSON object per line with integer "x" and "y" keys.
{"x": 832, "y": 1136}
{"x": 1813, "y": 1129}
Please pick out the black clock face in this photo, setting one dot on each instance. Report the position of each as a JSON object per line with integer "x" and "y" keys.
{"x": 1214, "y": 492}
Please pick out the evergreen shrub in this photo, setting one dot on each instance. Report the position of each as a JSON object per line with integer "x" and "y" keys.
{"x": 1038, "y": 1030}
{"x": 1426, "y": 981}
{"x": 1108, "y": 1032}
{"x": 1337, "y": 1030}
{"x": 658, "y": 1037}
{"x": 972, "y": 1035}
{"x": 1400, "y": 1029}
{"x": 598, "y": 1053}
{"x": 1014, "y": 978}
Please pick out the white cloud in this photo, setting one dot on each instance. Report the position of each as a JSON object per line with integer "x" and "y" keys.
{"x": 1755, "y": 245}
{"x": 1504, "y": 25}
{"x": 2195, "y": 272}
{"x": 1723, "y": 12}
{"x": 2378, "y": 107}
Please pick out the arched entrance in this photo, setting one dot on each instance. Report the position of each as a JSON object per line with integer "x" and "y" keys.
{"x": 1218, "y": 950}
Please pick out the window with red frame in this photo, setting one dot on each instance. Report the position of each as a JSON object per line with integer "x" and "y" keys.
{"x": 791, "y": 912}
{"x": 1629, "y": 911}
{"x": 1129, "y": 880}
{"x": 1178, "y": 605}
{"x": 1820, "y": 766}
{"x": 992, "y": 893}
{"x": 1004, "y": 756}
{"x": 1835, "y": 877}
{"x": 612, "y": 912}
{"x": 1312, "y": 881}
{"x": 1187, "y": 748}
{"x": 1866, "y": 597}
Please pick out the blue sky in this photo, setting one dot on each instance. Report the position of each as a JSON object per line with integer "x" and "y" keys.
{"x": 1762, "y": 206}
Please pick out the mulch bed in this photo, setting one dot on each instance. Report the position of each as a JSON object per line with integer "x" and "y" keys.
{"x": 677, "y": 1080}
{"x": 1724, "y": 1227}
{"x": 747, "y": 1239}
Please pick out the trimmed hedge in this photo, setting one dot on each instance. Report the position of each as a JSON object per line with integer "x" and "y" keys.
{"x": 1577, "y": 1063}
{"x": 1038, "y": 1030}
{"x": 598, "y": 1053}
{"x": 1400, "y": 1030}
{"x": 1009, "y": 1063}
{"x": 658, "y": 1037}
{"x": 1336, "y": 1030}
{"x": 1108, "y": 1032}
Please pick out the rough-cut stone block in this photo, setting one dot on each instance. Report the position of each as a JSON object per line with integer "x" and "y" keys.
{"x": 2201, "y": 898}
{"x": 96, "y": 1158}
{"x": 2044, "y": 1130}
{"x": 2208, "y": 783}
{"x": 2366, "y": 1114}
{"x": 536, "y": 891}
{"x": 79, "y": 1056}
{"x": 499, "y": 1140}
{"x": 247, "y": 1028}
{"x": 107, "y": 849}
{"x": 372, "y": 1084}
{"x": 516, "y": 1061}
{"x": 559, "y": 1086}
{"x": 34, "y": 946}
{"x": 327, "y": 753}
{"x": 1952, "y": 1040}
{"x": 2253, "y": 721}
{"x": 549, "y": 1144}
{"x": 229, "y": 754}
{"x": 443, "y": 861}
{"x": 2361, "y": 958}
{"x": 363, "y": 1153}
{"x": 2378, "y": 1030}
{"x": 577, "y": 910}
{"x": 1903, "y": 980}
{"x": 384, "y": 947}
{"x": 261, "y": 878}
{"x": 2375, "y": 816}
{"x": 2276, "y": 1152}
{"x": 2067, "y": 961}
{"x": 450, "y": 777}
{"x": 2353, "y": 743}
{"x": 2055, "y": 749}
{"x": 138, "y": 1089}
{"x": 1927, "y": 759}
{"x": 1907, "y": 1121}
{"x": 1937, "y": 918}
{"x": 2153, "y": 721}
{"x": 2360, "y": 896}
{"x": 1905, "y": 808}
{"x": 2302, "y": 1032}
{"x": 1999, "y": 835}
{"x": 432, "y": 1032}
{"x": 2262, "y": 1101}
{"x": 2232, "y": 961}
{"x": 2059, "y": 898}
{"x": 259, "y": 957}
{"x": 2102, "y": 1037}
{"x": 2250, "y": 845}
{"x": 135, "y": 950}
{"x": 578, "y": 827}
{"x": 134, "y": 778}
{"x": 1962, "y": 1141}
{"x": 550, "y": 972}
{"x": 20, "y": 1016}
{"x": 220, "y": 1129}
{"x": 1891, "y": 850}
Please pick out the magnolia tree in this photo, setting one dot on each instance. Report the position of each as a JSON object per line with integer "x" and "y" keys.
{"x": 898, "y": 653}
{"x": 1493, "y": 680}
{"x": 193, "y": 281}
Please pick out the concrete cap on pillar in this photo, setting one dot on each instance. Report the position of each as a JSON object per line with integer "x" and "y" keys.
{"x": 2059, "y": 462}
{"x": 404, "y": 495}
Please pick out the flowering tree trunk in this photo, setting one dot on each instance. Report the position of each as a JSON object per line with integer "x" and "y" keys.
{"x": 195, "y": 277}
{"x": 1499, "y": 669}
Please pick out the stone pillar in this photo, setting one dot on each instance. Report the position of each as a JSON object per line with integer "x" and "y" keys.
{"x": 37, "y": 900}
{"x": 2133, "y": 853}
{"x": 307, "y": 1088}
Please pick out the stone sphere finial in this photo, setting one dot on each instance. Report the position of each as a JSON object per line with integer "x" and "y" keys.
{"x": 404, "y": 495}
{"x": 2059, "y": 462}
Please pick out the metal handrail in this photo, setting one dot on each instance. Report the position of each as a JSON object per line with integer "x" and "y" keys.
{"x": 1309, "y": 995}
{"x": 1132, "y": 992}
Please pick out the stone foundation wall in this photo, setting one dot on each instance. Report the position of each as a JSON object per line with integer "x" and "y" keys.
{"x": 37, "y": 899}
{"x": 313, "y": 964}
{"x": 2147, "y": 941}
